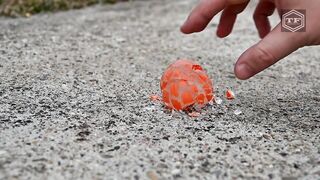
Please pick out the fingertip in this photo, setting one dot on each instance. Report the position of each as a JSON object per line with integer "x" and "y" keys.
{"x": 189, "y": 30}
{"x": 183, "y": 30}
{"x": 219, "y": 35}
{"x": 192, "y": 26}
{"x": 201, "y": 15}
{"x": 243, "y": 72}
{"x": 222, "y": 33}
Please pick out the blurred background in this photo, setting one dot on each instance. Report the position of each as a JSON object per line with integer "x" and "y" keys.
{"x": 25, "y": 8}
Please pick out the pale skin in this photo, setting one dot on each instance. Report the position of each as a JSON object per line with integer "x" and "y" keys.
{"x": 274, "y": 44}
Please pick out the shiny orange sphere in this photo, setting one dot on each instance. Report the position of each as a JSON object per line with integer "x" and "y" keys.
{"x": 184, "y": 84}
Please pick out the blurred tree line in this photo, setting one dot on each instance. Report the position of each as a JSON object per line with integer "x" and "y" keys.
{"x": 16, "y": 8}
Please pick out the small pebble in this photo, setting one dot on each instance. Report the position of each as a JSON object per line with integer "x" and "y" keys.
{"x": 267, "y": 136}
{"x": 121, "y": 40}
{"x": 3, "y": 152}
{"x": 152, "y": 175}
{"x": 175, "y": 172}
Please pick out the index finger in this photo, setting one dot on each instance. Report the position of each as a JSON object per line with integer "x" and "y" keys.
{"x": 202, "y": 14}
{"x": 273, "y": 47}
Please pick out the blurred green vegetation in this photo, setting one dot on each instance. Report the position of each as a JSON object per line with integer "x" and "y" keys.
{"x": 16, "y": 8}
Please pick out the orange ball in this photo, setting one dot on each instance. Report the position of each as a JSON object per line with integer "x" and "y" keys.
{"x": 184, "y": 84}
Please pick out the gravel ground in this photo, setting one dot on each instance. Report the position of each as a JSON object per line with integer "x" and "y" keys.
{"x": 74, "y": 100}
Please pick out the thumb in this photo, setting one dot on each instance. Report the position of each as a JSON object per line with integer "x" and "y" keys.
{"x": 275, "y": 46}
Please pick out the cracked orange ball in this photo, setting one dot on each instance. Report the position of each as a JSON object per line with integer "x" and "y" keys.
{"x": 185, "y": 84}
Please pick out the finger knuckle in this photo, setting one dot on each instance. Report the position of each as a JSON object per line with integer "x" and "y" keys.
{"x": 264, "y": 56}
{"x": 205, "y": 16}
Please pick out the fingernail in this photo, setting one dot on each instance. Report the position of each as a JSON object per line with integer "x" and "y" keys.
{"x": 243, "y": 71}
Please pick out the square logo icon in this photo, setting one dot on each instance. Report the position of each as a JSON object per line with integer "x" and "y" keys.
{"x": 293, "y": 20}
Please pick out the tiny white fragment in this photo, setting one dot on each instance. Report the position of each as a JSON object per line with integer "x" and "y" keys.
{"x": 237, "y": 112}
{"x": 218, "y": 100}
{"x": 151, "y": 108}
{"x": 194, "y": 114}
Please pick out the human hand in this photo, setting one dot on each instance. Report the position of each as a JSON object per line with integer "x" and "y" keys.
{"x": 274, "y": 45}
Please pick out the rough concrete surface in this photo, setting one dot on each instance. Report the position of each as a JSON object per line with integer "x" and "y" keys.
{"x": 74, "y": 100}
